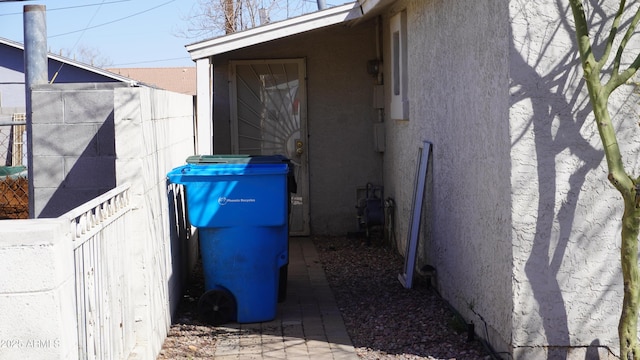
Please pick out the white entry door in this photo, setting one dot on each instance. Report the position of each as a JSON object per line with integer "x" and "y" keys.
{"x": 269, "y": 116}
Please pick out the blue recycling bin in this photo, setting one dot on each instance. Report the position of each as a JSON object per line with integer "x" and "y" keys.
{"x": 240, "y": 206}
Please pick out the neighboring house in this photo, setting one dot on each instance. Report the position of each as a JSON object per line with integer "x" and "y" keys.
{"x": 181, "y": 80}
{"x": 521, "y": 224}
{"x": 61, "y": 70}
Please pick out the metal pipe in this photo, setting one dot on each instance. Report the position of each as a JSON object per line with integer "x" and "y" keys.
{"x": 322, "y": 5}
{"x": 35, "y": 46}
{"x": 12, "y": 123}
{"x": 35, "y": 73}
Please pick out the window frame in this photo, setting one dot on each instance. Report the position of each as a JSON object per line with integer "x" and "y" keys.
{"x": 399, "y": 67}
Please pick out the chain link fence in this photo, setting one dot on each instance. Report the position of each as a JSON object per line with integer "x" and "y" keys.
{"x": 14, "y": 187}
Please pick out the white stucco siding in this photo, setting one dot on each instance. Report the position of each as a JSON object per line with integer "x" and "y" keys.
{"x": 458, "y": 93}
{"x": 566, "y": 278}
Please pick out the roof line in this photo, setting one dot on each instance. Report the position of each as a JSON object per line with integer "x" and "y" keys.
{"x": 273, "y": 31}
{"x": 77, "y": 64}
{"x": 370, "y": 5}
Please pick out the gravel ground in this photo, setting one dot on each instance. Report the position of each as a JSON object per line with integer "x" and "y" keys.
{"x": 384, "y": 320}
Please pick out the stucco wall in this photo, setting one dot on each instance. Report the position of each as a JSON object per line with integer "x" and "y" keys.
{"x": 341, "y": 148}
{"x": 458, "y": 79}
{"x": 567, "y": 281}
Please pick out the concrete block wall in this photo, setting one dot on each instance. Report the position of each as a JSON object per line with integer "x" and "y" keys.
{"x": 89, "y": 138}
{"x": 37, "y": 291}
{"x": 154, "y": 134}
{"x": 74, "y": 153}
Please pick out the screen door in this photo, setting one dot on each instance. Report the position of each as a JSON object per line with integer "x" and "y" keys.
{"x": 269, "y": 116}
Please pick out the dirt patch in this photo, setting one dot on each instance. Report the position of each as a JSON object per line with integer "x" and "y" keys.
{"x": 14, "y": 198}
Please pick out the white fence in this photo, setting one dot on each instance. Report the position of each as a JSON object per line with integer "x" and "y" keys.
{"x": 99, "y": 231}
{"x": 69, "y": 284}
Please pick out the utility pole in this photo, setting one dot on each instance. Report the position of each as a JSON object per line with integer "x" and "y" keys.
{"x": 35, "y": 73}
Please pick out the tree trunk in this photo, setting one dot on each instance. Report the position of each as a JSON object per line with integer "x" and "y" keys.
{"x": 629, "y": 189}
{"x": 628, "y": 325}
{"x": 229, "y": 17}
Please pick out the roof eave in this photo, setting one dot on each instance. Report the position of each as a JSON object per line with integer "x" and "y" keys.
{"x": 277, "y": 30}
{"x": 371, "y": 5}
{"x": 372, "y": 8}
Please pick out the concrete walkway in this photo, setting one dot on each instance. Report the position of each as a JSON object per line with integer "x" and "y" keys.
{"x": 308, "y": 325}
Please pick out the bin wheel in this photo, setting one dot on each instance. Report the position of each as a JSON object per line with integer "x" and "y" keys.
{"x": 217, "y": 307}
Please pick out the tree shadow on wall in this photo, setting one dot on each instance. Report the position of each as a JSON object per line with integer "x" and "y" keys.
{"x": 560, "y": 108}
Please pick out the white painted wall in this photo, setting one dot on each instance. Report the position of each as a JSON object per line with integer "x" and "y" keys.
{"x": 523, "y": 228}
{"x": 458, "y": 77}
{"x": 37, "y": 293}
{"x": 566, "y": 276}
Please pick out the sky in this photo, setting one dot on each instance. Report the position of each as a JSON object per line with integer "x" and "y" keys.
{"x": 127, "y": 33}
